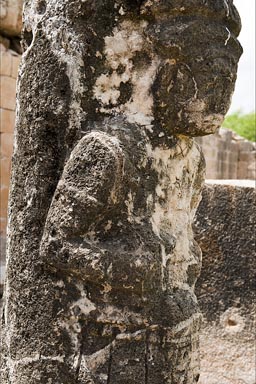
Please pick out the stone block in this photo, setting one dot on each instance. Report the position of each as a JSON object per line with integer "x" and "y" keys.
{"x": 232, "y": 171}
{"x": 2, "y": 250}
{"x": 251, "y": 172}
{"x": 3, "y": 225}
{"x": 228, "y": 156}
{"x": 224, "y": 170}
{"x": 211, "y": 170}
{"x": 214, "y": 152}
{"x": 4, "y": 193}
{"x": 5, "y": 63}
{"x": 6, "y": 145}
{"x": 15, "y": 65}
{"x": 245, "y": 146}
{"x": 211, "y": 174}
{"x": 11, "y": 17}
{"x": 251, "y": 157}
{"x": 7, "y": 120}
{"x": 7, "y": 92}
{"x": 242, "y": 170}
{"x": 2, "y": 261}
{"x": 234, "y": 146}
{"x": 231, "y": 158}
{"x": 226, "y": 134}
{"x": 244, "y": 156}
{"x": 4, "y": 43}
{"x": 222, "y": 146}
{"x": 234, "y": 156}
{"x": 5, "y": 170}
{"x": 224, "y": 229}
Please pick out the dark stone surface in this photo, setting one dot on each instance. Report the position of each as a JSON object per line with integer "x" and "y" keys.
{"x": 102, "y": 261}
{"x": 225, "y": 230}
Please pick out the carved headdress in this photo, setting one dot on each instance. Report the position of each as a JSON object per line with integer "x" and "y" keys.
{"x": 222, "y": 11}
{"x": 197, "y": 41}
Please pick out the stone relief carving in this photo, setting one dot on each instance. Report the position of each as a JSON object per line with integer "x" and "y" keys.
{"x": 106, "y": 181}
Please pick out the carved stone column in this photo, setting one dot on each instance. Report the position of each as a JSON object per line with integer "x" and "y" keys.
{"x": 106, "y": 179}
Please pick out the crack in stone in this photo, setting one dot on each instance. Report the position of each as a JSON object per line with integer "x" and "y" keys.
{"x": 110, "y": 365}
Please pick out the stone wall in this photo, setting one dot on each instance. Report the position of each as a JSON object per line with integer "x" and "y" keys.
{"x": 225, "y": 231}
{"x": 228, "y": 156}
{"x": 10, "y": 26}
{"x": 10, "y": 17}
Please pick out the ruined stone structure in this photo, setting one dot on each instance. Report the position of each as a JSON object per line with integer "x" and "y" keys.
{"x": 105, "y": 183}
{"x": 10, "y": 27}
{"x": 10, "y": 17}
{"x": 225, "y": 230}
{"x": 228, "y": 156}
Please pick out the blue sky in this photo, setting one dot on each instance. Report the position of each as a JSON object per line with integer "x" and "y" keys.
{"x": 244, "y": 96}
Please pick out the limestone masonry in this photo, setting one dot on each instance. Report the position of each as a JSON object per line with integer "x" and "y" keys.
{"x": 11, "y": 17}
{"x": 9, "y": 62}
{"x": 228, "y": 156}
{"x": 225, "y": 230}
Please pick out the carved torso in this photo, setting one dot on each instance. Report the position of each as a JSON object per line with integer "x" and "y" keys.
{"x": 117, "y": 224}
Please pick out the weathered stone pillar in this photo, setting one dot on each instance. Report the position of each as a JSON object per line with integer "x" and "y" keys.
{"x": 105, "y": 183}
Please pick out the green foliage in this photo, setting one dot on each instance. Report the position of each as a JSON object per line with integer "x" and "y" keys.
{"x": 243, "y": 125}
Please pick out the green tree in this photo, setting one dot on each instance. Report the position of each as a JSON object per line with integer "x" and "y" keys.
{"x": 243, "y": 125}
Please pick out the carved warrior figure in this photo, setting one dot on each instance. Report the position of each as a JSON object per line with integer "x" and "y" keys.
{"x": 105, "y": 183}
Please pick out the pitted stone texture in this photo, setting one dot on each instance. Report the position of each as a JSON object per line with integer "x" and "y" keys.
{"x": 225, "y": 231}
{"x": 195, "y": 50}
{"x": 224, "y": 228}
{"x": 102, "y": 260}
{"x": 10, "y": 17}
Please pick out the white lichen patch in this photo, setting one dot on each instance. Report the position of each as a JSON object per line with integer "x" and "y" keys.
{"x": 69, "y": 322}
{"x": 106, "y": 88}
{"x": 138, "y": 335}
{"x": 108, "y": 226}
{"x": 37, "y": 357}
{"x": 188, "y": 325}
{"x": 113, "y": 315}
{"x": 120, "y": 48}
{"x": 229, "y": 36}
{"x": 227, "y": 8}
{"x": 85, "y": 305}
{"x": 164, "y": 265}
{"x": 131, "y": 216}
{"x": 139, "y": 108}
{"x": 124, "y": 42}
{"x": 130, "y": 206}
{"x": 177, "y": 169}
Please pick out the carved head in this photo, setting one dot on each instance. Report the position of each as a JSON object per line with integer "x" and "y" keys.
{"x": 196, "y": 42}
{"x": 172, "y": 63}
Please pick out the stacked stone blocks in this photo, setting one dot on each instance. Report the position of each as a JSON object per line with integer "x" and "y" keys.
{"x": 8, "y": 71}
{"x": 10, "y": 27}
{"x": 228, "y": 156}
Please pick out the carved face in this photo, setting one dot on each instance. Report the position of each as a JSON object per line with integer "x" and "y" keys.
{"x": 195, "y": 81}
{"x": 171, "y": 61}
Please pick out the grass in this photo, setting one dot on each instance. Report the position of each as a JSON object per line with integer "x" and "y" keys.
{"x": 243, "y": 125}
